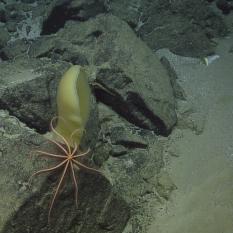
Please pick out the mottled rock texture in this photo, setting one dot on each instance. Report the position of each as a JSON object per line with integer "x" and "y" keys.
{"x": 25, "y": 209}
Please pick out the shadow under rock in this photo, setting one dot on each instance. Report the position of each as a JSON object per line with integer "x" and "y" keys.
{"x": 99, "y": 210}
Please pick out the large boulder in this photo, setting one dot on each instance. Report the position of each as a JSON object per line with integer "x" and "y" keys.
{"x": 128, "y": 75}
{"x": 25, "y": 208}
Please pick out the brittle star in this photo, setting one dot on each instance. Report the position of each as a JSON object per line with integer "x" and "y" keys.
{"x": 69, "y": 160}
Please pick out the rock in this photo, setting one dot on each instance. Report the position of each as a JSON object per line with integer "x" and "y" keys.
{"x": 11, "y": 26}
{"x": 132, "y": 81}
{"x": 62, "y": 11}
{"x": 185, "y": 27}
{"x": 134, "y": 175}
{"x": 225, "y": 6}
{"x": 231, "y": 49}
{"x": 20, "y": 48}
{"x": 16, "y": 167}
{"x": 2, "y": 14}
{"x": 196, "y": 122}
{"x": 28, "y": 90}
{"x": 118, "y": 150}
{"x": 165, "y": 185}
{"x": 134, "y": 100}
{"x": 172, "y": 150}
{"x": 5, "y": 37}
{"x": 178, "y": 91}
{"x": 120, "y": 135}
{"x": 28, "y": 1}
{"x": 189, "y": 117}
{"x": 21, "y": 207}
{"x": 131, "y": 172}
{"x": 24, "y": 20}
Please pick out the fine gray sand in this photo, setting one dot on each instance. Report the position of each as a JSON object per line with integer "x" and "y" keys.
{"x": 203, "y": 172}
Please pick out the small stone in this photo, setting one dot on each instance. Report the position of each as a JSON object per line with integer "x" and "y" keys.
{"x": 165, "y": 185}
{"x": 5, "y": 36}
{"x": 118, "y": 150}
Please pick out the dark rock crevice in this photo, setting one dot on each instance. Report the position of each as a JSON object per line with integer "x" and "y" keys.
{"x": 67, "y": 10}
{"x": 132, "y": 110}
{"x": 114, "y": 88}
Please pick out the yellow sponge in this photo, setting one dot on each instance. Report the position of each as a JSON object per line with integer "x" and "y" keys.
{"x": 73, "y": 103}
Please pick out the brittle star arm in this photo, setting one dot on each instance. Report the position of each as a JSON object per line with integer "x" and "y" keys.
{"x": 40, "y": 152}
{"x": 84, "y": 153}
{"x": 75, "y": 184}
{"x": 59, "y": 145}
{"x": 48, "y": 169}
{"x": 78, "y": 164}
{"x": 57, "y": 189}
